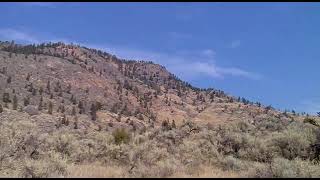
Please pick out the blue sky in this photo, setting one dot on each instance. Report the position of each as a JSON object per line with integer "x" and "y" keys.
{"x": 267, "y": 52}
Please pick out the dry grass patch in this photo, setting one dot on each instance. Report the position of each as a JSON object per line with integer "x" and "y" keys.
{"x": 96, "y": 171}
{"x": 207, "y": 172}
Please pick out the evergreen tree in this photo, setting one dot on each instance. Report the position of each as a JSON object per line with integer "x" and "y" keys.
{"x": 40, "y": 104}
{"x": 93, "y": 111}
{"x": 41, "y": 90}
{"x": 28, "y": 77}
{"x": 69, "y": 88}
{"x": 73, "y": 111}
{"x": 34, "y": 92}
{"x": 15, "y": 103}
{"x": 62, "y": 109}
{"x": 173, "y": 124}
{"x": 50, "y": 107}
{"x": 81, "y": 107}
{"x": 26, "y": 101}
{"x": 48, "y": 86}
{"x": 9, "y": 80}
{"x": 6, "y": 98}
{"x": 75, "y": 123}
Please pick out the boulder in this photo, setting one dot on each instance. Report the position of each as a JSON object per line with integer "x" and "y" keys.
{"x": 31, "y": 110}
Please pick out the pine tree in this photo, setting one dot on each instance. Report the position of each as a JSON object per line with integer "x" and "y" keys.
{"x": 40, "y": 104}
{"x": 93, "y": 111}
{"x": 60, "y": 93}
{"x": 41, "y": 90}
{"x": 48, "y": 86}
{"x": 73, "y": 100}
{"x": 26, "y": 101}
{"x": 173, "y": 125}
{"x": 65, "y": 120}
{"x": 75, "y": 123}
{"x": 34, "y": 92}
{"x": 119, "y": 117}
{"x": 165, "y": 124}
{"x": 140, "y": 117}
{"x": 50, "y": 107}
{"x": 81, "y": 108}
{"x": 73, "y": 111}
{"x": 6, "y": 98}
{"x": 15, "y": 103}
{"x": 9, "y": 80}
{"x": 69, "y": 88}
{"x": 28, "y": 77}
{"x": 62, "y": 109}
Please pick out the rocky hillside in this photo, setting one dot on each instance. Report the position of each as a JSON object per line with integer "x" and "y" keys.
{"x": 71, "y": 111}
{"x": 74, "y": 82}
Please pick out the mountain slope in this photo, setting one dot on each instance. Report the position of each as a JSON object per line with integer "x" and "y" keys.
{"x": 141, "y": 91}
{"x": 69, "y": 111}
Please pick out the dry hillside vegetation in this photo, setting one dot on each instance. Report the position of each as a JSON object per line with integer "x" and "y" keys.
{"x": 71, "y": 111}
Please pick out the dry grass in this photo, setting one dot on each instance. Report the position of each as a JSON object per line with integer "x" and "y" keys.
{"x": 208, "y": 172}
{"x": 95, "y": 170}
{"x": 236, "y": 150}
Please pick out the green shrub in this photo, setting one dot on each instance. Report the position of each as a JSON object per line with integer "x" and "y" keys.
{"x": 294, "y": 142}
{"x": 311, "y": 121}
{"x": 256, "y": 149}
{"x": 121, "y": 136}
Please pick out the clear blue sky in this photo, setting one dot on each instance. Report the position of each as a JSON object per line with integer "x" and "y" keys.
{"x": 267, "y": 52}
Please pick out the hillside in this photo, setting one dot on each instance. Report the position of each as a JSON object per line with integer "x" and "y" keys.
{"x": 92, "y": 109}
{"x": 72, "y": 76}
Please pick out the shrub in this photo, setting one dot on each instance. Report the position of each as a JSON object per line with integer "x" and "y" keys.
{"x": 256, "y": 149}
{"x": 231, "y": 163}
{"x": 311, "y": 121}
{"x": 296, "y": 168}
{"x": 62, "y": 142}
{"x": 259, "y": 170}
{"x": 293, "y": 142}
{"x": 161, "y": 169}
{"x": 229, "y": 142}
{"x": 121, "y": 136}
{"x": 52, "y": 166}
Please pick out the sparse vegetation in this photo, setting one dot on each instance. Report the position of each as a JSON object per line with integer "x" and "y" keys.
{"x": 138, "y": 120}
